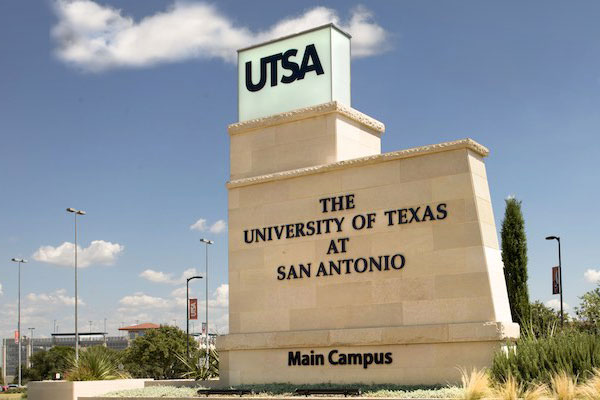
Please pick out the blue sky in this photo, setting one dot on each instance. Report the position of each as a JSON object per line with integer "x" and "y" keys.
{"x": 135, "y": 133}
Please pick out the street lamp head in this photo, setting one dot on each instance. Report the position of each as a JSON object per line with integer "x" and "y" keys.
{"x": 552, "y": 238}
{"x": 194, "y": 277}
{"x": 80, "y": 212}
{"x": 19, "y": 260}
{"x": 70, "y": 209}
{"x": 206, "y": 241}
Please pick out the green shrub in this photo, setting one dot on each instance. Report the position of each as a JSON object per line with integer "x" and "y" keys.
{"x": 536, "y": 360}
{"x": 195, "y": 365}
{"x": 95, "y": 363}
{"x": 154, "y": 355}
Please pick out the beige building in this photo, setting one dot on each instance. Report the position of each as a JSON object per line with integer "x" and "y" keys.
{"x": 347, "y": 265}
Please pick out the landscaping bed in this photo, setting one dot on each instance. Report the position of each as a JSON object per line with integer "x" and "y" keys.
{"x": 283, "y": 390}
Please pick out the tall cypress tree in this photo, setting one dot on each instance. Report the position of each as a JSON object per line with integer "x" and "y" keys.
{"x": 514, "y": 257}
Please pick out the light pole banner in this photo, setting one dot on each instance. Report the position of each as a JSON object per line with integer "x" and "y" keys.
{"x": 16, "y": 337}
{"x": 556, "y": 289}
{"x": 193, "y": 308}
{"x": 204, "y": 328}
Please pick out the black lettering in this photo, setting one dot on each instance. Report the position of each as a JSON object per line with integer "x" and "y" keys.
{"x": 367, "y": 360}
{"x": 289, "y": 231}
{"x": 358, "y": 222}
{"x": 324, "y": 203}
{"x": 300, "y": 229}
{"x": 388, "y": 358}
{"x": 374, "y": 262}
{"x": 370, "y": 220}
{"x": 280, "y": 273}
{"x": 246, "y": 236}
{"x": 310, "y": 228}
{"x": 338, "y": 223}
{"x": 273, "y": 61}
{"x": 428, "y": 213}
{"x": 292, "y": 273}
{"x": 402, "y": 261}
{"x": 278, "y": 231}
{"x": 364, "y": 262}
{"x": 322, "y": 271}
{"x": 343, "y": 242}
{"x": 263, "y": 76}
{"x": 332, "y": 247}
{"x": 414, "y": 216}
{"x": 304, "y": 270}
{"x": 289, "y": 65}
{"x": 350, "y": 201}
{"x": 441, "y": 209}
{"x": 293, "y": 358}
{"x": 330, "y": 357}
{"x": 355, "y": 358}
{"x": 402, "y": 216}
{"x": 305, "y": 359}
{"x": 390, "y": 215}
{"x": 310, "y": 54}
{"x": 333, "y": 266}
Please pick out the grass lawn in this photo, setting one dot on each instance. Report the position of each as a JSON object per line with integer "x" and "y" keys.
{"x": 6, "y": 396}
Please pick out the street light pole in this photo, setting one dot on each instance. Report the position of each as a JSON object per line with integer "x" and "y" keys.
{"x": 207, "y": 242}
{"x": 19, "y": 261}
{"x": 557, "y": 238}
{"x": 76, "y": 213}
{"x": 187, "y": 311}
{"x": 30, "y": 347}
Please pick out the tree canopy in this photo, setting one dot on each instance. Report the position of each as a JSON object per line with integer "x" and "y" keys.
{"x": 154, "y": 355}
{"x": 514, "y": 257}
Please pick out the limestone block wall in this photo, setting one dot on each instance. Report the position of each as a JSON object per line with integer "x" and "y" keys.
{"x": 453, "y": 271}
{"x": 316, "y": 135}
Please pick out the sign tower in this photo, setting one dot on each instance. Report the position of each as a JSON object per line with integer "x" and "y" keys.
{"x": 347, "y": 265}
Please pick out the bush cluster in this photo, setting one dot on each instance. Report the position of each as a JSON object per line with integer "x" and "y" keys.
{"x": 538, "y": 359}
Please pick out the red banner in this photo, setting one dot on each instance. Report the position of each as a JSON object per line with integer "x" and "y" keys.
{"x": 16, "y": 337}
{"x": 556, "y": 289}
{"x": 193, "y": 308}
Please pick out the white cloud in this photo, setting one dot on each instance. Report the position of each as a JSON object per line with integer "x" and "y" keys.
{"x": 202, "y": 225}
{"x": 141, "y": 306}
{"x": 592, "y": 275}
{"x": 510, "y": 197}
{"x": 98, "y": 252}
{"x": 58, "y": 297}
{"x": 97, "y": 37}
{"x": 162, "y": 277}
{"x": 142, "y": 300}
{"x": 221, "y": 297}
{"x": 199, "y": 225}
{"x": 555, "y": 304}
{"x": 218, "y": 227}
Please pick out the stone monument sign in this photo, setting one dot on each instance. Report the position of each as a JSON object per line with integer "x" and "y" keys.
{"x": 347, "y": 265}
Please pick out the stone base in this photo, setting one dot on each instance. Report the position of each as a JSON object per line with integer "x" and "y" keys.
{"x": 426, "y": 354}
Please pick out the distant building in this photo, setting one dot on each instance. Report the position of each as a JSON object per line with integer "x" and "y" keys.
{"x": 134, "y": 331}
{"x": 10, "y": 349}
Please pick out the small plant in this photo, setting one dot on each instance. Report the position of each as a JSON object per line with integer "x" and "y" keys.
{"x": 536, "y": 392}
{"x": 590, "y": 390}
{"x": 95, "y": 364}
{"x": 510, "y": 389}
{"x": 564, "y": 387}
{"x": 475, "y": 384}
{"x": 196, "y": 367}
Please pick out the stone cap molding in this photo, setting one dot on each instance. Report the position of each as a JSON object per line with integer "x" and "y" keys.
{"x": 467, "y": 143}
{"x": 411, "y": 334}
{"x": 304, "y": 113}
